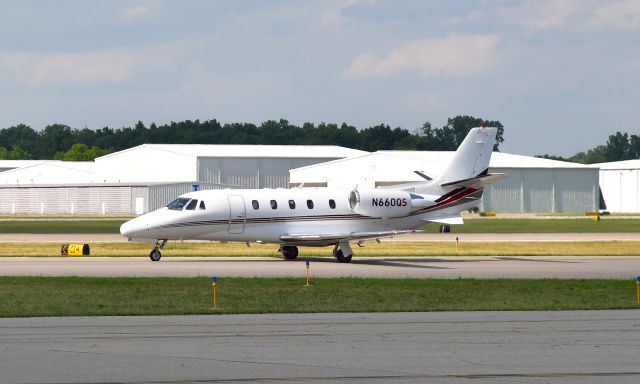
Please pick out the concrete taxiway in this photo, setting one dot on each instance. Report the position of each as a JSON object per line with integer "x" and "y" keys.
{"x": 446, "y": 347}
{"x": 610, "y": 267}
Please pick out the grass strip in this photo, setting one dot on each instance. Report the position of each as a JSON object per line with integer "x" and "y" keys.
{"x": 89, "y": 296}
{"x": 61, "y": 226}
{"x": 472, "y": 225}
{"x": 581, "y": 225}
{"x": 371, "y": 249}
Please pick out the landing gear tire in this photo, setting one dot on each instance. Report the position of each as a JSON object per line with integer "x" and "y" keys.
{"x": 290, "y": 252}
{"x": 155, "y": 255}
{"x": 339, "y": 255}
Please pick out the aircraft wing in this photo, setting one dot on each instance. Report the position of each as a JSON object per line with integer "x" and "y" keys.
{"x": 445, "y": 219}
{"x": 332, "y": 238}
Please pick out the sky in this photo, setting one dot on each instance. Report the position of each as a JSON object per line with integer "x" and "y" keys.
{"x": 560, "y": 75}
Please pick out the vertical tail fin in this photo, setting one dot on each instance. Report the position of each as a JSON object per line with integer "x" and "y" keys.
{"x": 472, "y": 157}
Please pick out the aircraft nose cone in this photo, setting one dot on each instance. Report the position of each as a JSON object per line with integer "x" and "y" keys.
{"x": 126, "y": 229}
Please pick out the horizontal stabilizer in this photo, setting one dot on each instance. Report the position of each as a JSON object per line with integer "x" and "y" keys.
{"x": 476, "y": 182}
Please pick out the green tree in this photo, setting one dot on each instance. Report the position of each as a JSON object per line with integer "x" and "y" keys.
{"x": 592, "y": 156}
{"x": 459, "y": 126}
{"x": 618, "y": 147}
{"x": 82, "y": 152}
{"x": 19, "y": 135}
{"x": 16, "y": 153}
{"x": 54, "y": 138}
{"x": 552, "y": 157}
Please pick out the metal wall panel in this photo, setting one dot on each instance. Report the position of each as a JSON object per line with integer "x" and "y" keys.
{"x": 115, "y": 200}
{"x": 576, "y": 190}
{"x": 240, "y": 172}
{"x": 18, "y": 200}
{"x": 65, "y": 200}
{"x": 505, "y": 195}
{"x": 86, "y": 200}
{"x": 251, "y": 172}
{"x": 209, "y": 169}
{"x": 538, "y": 185}
{"x": 139, "y": 192}
{"x": 53, "y": 201}
{"x": 274, "y": 173}
{"x": 91, "y": 200}
{"x": 161, "y": 195}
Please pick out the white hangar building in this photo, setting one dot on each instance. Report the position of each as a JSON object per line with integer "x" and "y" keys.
{"x": 532, "y": 184}
{"x": 6, "y": 165}
{"x": 147, "y": 177}
{"x": 620, "y": 183}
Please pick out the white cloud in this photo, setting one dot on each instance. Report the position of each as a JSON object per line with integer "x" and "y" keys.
{"x": 135, "y": 12}
{"x": 537, "y": 15}
{"x": 622, "y": 14}
{"x": 63, "y": 69}
{"x": 452, "y": 55}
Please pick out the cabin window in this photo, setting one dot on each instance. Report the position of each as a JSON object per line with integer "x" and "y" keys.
{"x": 178, "y": 204}
{"x": 192, "y": 205}
{"x": 332, "y": 204}
{"x": 255, "y": 204}
{"x": 274, "y": 204}
{"x": 292, "y": 204}
{"x": 310, "y": 204}
{"x": 202, "y": 204}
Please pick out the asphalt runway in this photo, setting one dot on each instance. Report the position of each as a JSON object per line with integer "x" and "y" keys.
{"x": 610, "y": 267}
{"x": 444, "y": 347}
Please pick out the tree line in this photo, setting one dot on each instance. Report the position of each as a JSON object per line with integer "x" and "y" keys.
{"x": 61, "y": 142}
{"x": 620, "y": 146}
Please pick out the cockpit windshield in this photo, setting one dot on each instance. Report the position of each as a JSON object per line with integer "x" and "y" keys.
{"x": 192, "y": 205}
{"x": 178, "y": 203}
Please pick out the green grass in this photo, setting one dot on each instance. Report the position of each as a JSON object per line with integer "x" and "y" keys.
{"x": 76, "y": 296}
{"x": 581, "y": 225}
{"x": 61, "y": 226}
{"x": 371, "y": 249}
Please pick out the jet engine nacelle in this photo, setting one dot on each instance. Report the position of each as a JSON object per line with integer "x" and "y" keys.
{"x": 381, "y": 203}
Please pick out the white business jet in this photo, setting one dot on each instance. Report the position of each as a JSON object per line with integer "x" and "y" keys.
{"x": 319, "y": 217}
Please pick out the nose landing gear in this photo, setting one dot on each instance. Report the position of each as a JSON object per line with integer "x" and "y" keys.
{"x": 155, "y": 255}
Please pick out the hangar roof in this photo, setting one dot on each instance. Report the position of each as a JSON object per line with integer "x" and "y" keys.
{"x": 234, "y": 150}
{"x": 625, "y": 164}
{"x": 52, "y": 172}
{"x": 498, "y": 159}
{"x": 10, "y": 164}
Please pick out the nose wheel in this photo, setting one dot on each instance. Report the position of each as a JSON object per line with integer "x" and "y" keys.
{"x": 155, "y": 255}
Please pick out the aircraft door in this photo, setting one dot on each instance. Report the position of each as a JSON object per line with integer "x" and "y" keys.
{"x": 237, "y": 214}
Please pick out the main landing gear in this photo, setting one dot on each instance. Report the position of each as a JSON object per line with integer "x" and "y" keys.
{"x": 342, "y": 252}
{"x": 290, "y": 252}
{"x": 155, "y": 255}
